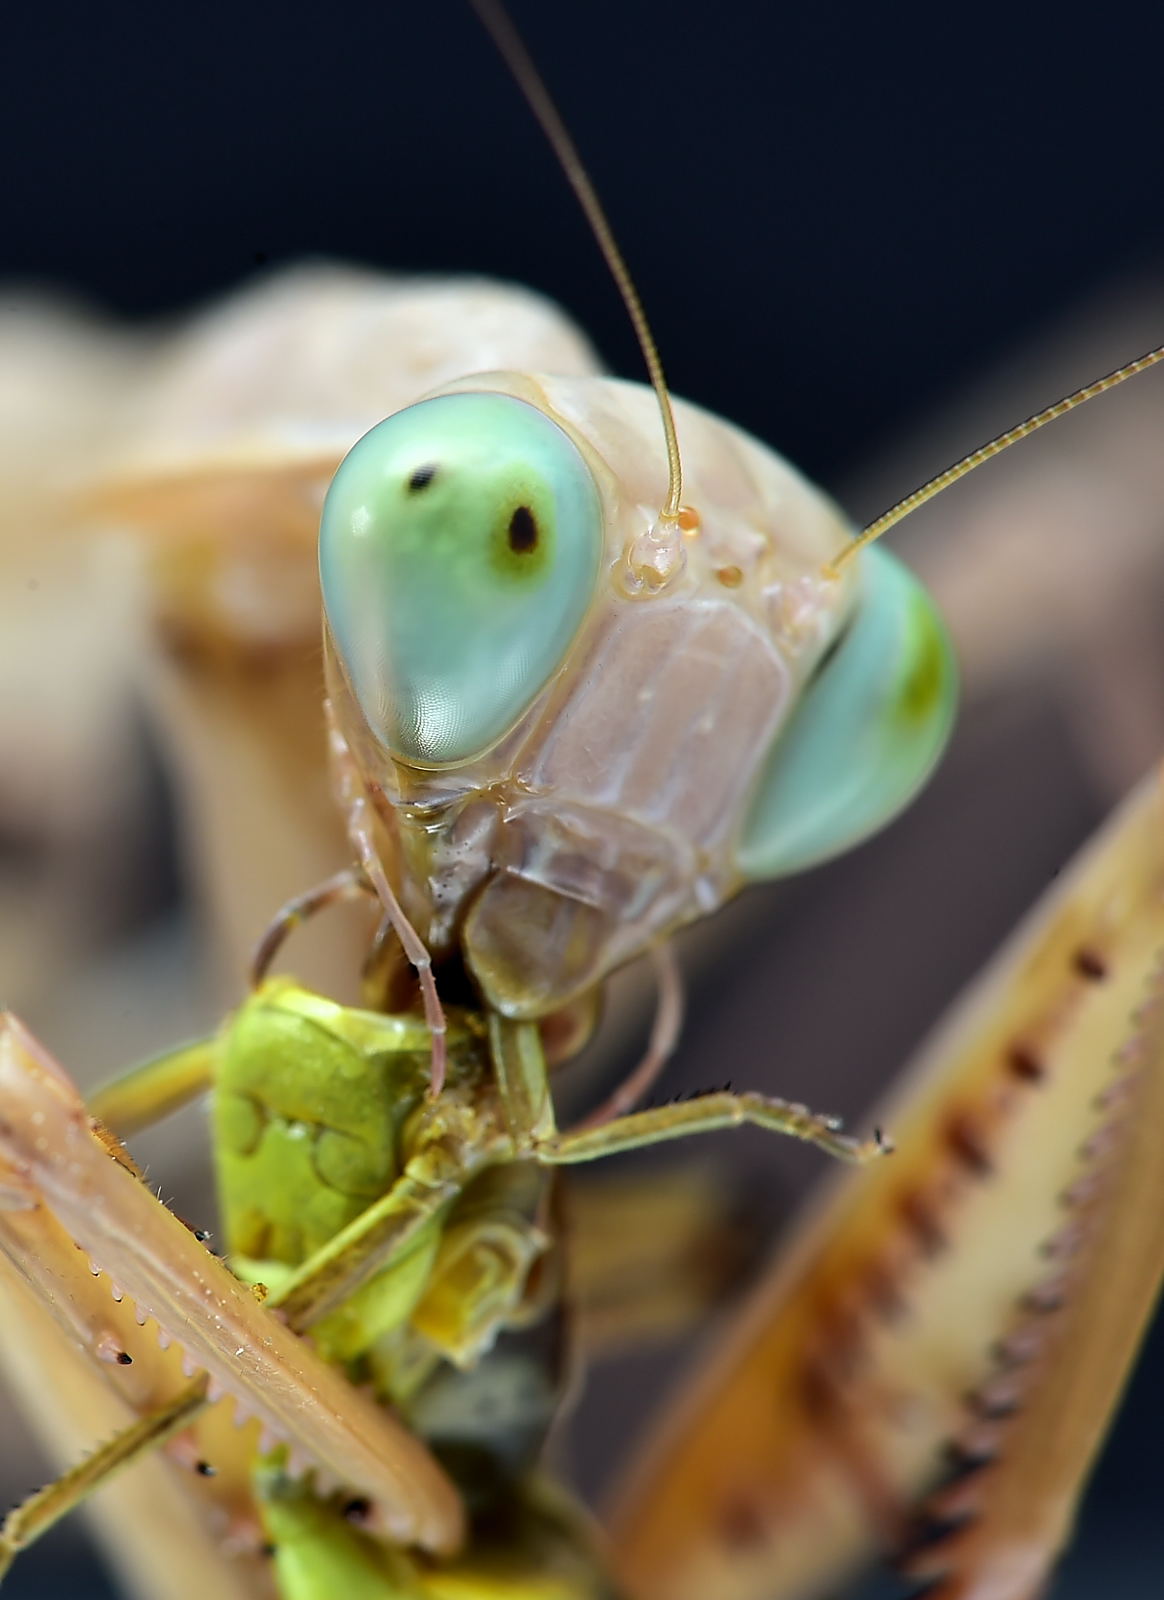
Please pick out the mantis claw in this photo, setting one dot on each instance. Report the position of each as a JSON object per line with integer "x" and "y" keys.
{"x": 985, "y": 1290}
{"x": 91, "y": 1203}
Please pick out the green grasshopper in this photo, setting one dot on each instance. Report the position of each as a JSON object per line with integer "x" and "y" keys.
{"x": 473, "y": 816}
{"x": 405, "y": 1232}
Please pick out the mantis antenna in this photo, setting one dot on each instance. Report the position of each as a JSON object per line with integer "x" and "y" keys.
{"x": 497, "y": 23}
{"x": 499, "y": 26}
{"x": 993, "y": 447}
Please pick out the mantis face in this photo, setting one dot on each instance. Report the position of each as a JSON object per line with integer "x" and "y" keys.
{"x": 575, "y": 760}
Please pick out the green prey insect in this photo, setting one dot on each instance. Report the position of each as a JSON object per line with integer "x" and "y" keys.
{"x": 411, "y": 1237}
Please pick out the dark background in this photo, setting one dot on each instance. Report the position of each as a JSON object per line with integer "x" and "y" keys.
{"x": 834, "y": 213}
{"x": 837, "y": 217}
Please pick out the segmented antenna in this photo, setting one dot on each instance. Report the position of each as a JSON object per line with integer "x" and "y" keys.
{"x": 984, "y": 452}
{"x": 497, "y": 23}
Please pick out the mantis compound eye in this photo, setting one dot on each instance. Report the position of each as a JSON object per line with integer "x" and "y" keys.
{"x": 866, "y": 734}
{"x": 458, "y": 553}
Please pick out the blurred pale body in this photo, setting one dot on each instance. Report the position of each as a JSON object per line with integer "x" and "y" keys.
{"x": 228, "y": 446}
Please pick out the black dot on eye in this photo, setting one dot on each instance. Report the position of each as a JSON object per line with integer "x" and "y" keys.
{"x": 421, "y": 479}
{"x": 204, "y": 1469}
{"x": 357, "y": 1510}
{"x": 523, "y": 531}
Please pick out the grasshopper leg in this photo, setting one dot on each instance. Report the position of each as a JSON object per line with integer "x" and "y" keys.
{"x": 520, "y": 1069}
{"x": 27, "y": 1522}
{"x": 706, "y": 1113}
{"x": 370, "y": 1244}
{"x": 147, "y": 1093}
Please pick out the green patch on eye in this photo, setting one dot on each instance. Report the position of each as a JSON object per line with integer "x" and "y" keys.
{"x": 926, "y": 678}
{"x": 867, "y": 732}
{"x": 479, "y": 522}
{"x": 459, "y": 551}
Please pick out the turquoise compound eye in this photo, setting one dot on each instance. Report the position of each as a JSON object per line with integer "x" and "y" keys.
{"x": 866, "y": 735}
{"x": 458, "y": 553}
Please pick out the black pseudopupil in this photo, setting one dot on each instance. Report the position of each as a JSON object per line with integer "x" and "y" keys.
{"x": 523, "y": 531}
